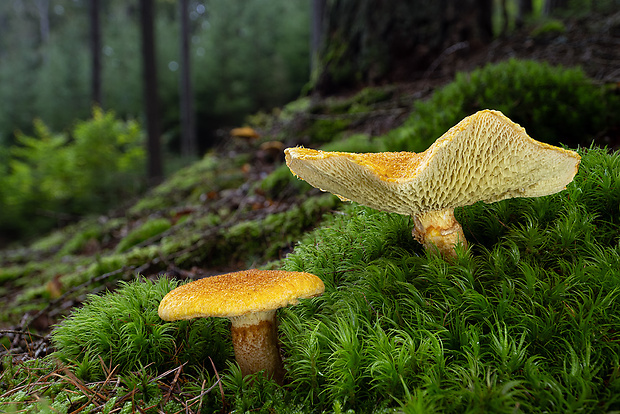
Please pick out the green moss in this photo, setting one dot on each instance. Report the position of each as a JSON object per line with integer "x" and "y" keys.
{"x": 295, "y": 107}
{"x": 211, "y": 174}
{"x": 124, "y": 330}
{"x": 328, "y": 129}
{"x": 281, "y": 183}
{"x": 50, "y": 241}
{"x": 144, "y": 232}
{"x": 551, "y": 27}
{"x": 11, "y": 273}
{"x": 555, "y": 105}
{"x": 533, "y": 301}
{"x": 354, "y": 143}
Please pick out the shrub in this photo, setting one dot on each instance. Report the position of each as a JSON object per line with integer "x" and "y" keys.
{"x": 54, "y": 175}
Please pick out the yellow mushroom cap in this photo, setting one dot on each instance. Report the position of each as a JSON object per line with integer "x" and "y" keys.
{"x": 239, "y": 293}
{"x": 485, "y": 157}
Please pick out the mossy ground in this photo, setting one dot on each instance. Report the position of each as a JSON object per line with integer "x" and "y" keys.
{"x": 526, "y": 318}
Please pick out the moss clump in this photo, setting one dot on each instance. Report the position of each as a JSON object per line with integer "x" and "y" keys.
{"x": 281, "y": 183}
{"x": 123, "y": 329}
{"x": 144, "y": 232}
{"x": 548, "y": 28}
{"x": 527, "y": 317}
{"x": 326, "y": 130}
{"x": 556, "y": 105}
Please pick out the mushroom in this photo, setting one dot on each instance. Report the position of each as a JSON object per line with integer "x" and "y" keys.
{"x": 485, "y": 157}
{"x": 249, "y": 299}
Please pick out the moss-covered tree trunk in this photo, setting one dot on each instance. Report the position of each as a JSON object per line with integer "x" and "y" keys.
{"x": 370, "y": 41}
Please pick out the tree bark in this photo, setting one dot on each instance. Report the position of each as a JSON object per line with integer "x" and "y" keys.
{"x": 188, "y": 134}
{"x": 317, "y": 30}
{"x": 151, "y": 98}
{"x": 552, "y": 6}
{"x": 525, "y": 10}
{"x": 95, "y": 46}
{"x": 372, "y": 41}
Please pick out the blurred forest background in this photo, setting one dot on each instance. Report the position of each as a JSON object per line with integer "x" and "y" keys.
{"x": 244, "y": 57}
{"x": 95, "y": 94}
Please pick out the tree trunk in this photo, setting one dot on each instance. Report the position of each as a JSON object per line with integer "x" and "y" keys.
{"x": 525, "y": 10}
{"x": 151, "y": 98}
{"x": 372, "y": 41}
{"x": 95, "y": 47}
{"x": 43, "y": 10}
{"x": 552, "y": 6}
{"x": 188, "y": 134}
{"x": 317, "y": 30}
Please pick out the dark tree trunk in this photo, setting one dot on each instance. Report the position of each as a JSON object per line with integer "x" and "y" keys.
{"x": 372, "y": 41}
{"x": 151, "y": 98}
{"x": 317, "y": 30}
{"x": 95, "y": 47}
{"x": 552, "y": 6}
{"x": 188, "y": 134}
{"x": 525, "y": 10}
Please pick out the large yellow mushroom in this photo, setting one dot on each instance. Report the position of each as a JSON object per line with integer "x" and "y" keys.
{"x": 485, "y": 157}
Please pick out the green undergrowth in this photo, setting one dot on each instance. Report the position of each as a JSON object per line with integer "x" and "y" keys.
{"x": 208, "y": 175}
{"x": 240, "y": 238}
{"x": 526, "y": 319}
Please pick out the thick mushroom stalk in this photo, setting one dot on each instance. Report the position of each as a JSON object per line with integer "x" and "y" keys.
{"x": 255, "y": 341}
{"x": 439, "y": 230}
{"x": 485, "y": 157}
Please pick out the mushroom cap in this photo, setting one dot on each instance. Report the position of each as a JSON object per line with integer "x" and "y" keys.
{"x": 485, "y": 157}
{"x": 239, "y": 293}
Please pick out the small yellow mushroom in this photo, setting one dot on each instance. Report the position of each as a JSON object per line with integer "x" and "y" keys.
{"x": 249, "y": 299}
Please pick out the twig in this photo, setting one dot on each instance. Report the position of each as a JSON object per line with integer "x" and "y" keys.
{"x": 219, "y": 382}
{"x": 22, "y": 332}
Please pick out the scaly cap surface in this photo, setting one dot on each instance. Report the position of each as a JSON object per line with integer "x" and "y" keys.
{"x": 239, "y": 293}
{"x": 485, "y": 157}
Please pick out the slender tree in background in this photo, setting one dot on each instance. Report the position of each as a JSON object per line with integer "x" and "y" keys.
{"x": 188, "y": 133}
{"x": 95, "y": 46}
{"x": 43, "y": 11}
{"x": 316, "y": 29}
{"x": 151, "y": 98}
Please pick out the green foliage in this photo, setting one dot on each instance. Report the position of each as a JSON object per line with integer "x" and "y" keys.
{"x": 554, "y": 104}
{"x": 526, "y": 317}
{"x": 124, "y": 330}
{"x": 51, "y": 175}
{"x": 551, "y": 27}
{"x": 144, "y": 232}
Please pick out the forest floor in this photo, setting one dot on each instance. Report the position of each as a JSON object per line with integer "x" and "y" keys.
{"x": 593, "y": 43}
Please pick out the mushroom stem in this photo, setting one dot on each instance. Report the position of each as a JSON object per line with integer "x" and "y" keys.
{"x": 255, "y": 343}
{"x": 438, "y": 230}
